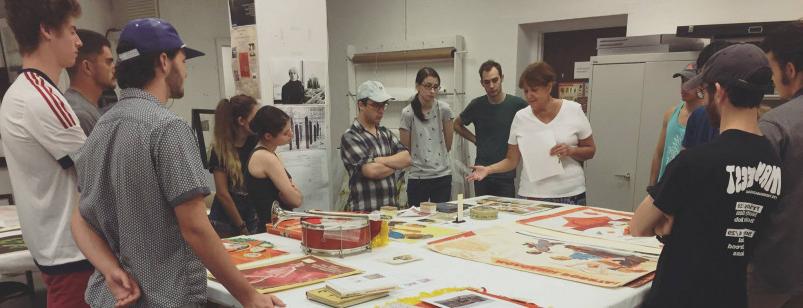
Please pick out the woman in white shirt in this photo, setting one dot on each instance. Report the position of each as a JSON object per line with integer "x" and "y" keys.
{"x": 547, "y": 121}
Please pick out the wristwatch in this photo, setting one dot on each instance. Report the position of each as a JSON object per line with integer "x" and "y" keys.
{"x": 372, "y": 160}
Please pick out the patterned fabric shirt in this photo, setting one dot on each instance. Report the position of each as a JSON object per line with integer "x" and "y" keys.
{"x": 358, "y": 147}
{"x": 139, "y": 163}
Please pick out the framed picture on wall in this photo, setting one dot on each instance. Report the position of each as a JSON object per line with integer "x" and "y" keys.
{"x": 203, "y": 123}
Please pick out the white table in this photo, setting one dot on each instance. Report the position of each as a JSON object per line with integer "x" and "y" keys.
{"x": 446, "y": 271}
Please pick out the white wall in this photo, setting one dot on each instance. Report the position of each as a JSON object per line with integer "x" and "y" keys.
{"x": 199, "y": 23}
{"x": 491, "y": 28}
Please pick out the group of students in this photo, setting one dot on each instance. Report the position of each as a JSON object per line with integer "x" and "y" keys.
{"x": 726, "y": 190}
{"x": 372, "y": 154}
{"x": 138, "y": 232}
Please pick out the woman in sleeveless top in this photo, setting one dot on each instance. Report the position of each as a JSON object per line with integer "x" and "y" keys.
{"x": 231, "y": 214}
{"x": 266, "y": 178}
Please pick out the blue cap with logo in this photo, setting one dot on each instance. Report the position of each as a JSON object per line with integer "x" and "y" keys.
{"x": 150, "y": 36}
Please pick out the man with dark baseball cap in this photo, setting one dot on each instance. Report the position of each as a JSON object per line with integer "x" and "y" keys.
{"x": 142, "y": 219}
{"x": 670, "y": 140}
{"x": 714, "y": 199}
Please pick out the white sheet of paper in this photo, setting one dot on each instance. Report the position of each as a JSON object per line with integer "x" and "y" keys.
{"x": 534, "y": 150}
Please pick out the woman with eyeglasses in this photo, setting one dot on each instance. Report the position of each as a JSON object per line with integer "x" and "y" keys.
{"x": 266, "y": 178}
{"x": 547, "y": 118}
{"x": 426, "y": 129}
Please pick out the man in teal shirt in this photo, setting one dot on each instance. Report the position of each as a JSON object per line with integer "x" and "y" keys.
{"x": 491, "y": 115}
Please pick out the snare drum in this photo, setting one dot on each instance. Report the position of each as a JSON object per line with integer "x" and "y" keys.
{"x": 335, "y": 236}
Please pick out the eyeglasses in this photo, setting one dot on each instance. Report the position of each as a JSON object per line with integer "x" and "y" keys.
{"x": 379, "y": 106}
{"x": 430, "y": 86}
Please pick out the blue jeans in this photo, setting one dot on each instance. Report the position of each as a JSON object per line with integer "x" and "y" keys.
{"x": 434, "y": 190}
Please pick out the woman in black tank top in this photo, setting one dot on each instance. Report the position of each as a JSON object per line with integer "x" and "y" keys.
{"x": 266, "y": 178}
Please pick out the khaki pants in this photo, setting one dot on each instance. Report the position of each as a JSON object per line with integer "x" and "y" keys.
{"x": 761, "y": 296}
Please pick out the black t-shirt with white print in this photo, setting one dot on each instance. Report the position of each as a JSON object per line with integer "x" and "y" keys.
{"x": 720, "y": 194}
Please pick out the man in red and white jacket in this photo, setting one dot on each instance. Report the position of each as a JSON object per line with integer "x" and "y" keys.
{"x": 39, "y": 132}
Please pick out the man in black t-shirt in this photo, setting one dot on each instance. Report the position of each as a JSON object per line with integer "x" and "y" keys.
{"x": 714, "y": 199}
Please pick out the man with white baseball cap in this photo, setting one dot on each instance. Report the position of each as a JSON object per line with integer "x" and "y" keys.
{"x": 372, "y": 153}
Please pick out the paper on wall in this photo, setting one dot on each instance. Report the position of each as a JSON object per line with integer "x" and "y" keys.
{"x": 534, "y": 150}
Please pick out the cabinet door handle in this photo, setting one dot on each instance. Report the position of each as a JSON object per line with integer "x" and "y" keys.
{"x": 626, "y": 176}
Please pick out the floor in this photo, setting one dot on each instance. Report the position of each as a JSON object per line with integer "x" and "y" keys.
{"x": 40, "y": 293}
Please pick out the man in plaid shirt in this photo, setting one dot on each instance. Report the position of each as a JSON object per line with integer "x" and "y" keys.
{"x": 371, "y": 153}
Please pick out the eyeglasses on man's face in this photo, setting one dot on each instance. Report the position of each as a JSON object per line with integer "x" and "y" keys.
{"x": 379, "y": 106}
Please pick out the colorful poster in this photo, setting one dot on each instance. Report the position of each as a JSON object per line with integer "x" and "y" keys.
{"x": 512, "y": 205}
{"x": 294, "y": 273}
{"x": 12, "y": 243}
{"x": 517, "y": 248}
{"x": 245, "y": 60}
{"x": 592, "y": 222}
{"x": 245, "y": 250}
{"x": 288, "y": 228}
{"x": 411, "y": 232}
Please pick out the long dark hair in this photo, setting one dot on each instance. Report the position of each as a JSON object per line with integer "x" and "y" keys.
{"x": 269, "y": 120}
{"x": 422, "y": 74}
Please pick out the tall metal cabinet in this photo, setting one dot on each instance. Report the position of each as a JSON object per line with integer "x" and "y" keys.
{"x": 629, "y": 94}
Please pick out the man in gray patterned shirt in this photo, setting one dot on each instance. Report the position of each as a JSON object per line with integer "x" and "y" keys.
{"x": 142, "y": 219}
{"x": 371, "y": 153}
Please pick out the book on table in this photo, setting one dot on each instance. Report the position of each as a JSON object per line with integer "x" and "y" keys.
{"x": 330, "y": 298}
{"x": 362, "y": 284}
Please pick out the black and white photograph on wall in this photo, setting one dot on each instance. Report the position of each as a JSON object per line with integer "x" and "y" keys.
{"x": 243, "y": 12}
{"x": 245, "y": 61}
{"x": 309, "y": 128}
{"x": 298, "y": 81}
{"x": 288, "y": 88}
{"x": 313, "y": 75}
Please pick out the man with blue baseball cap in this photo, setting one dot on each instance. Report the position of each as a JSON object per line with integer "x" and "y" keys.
{"x": 142, "y": 220}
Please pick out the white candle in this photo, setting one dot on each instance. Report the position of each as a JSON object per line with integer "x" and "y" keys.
{"x": 459, "y": 207}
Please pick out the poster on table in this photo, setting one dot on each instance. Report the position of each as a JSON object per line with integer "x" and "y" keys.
{"x": 298, "y": 81}
{"x": 294, "y": 273}
{"x": 517, "y": 248}
{"x": 413, "y": 232}
{"x": 245, "y": 60}
{"x": 244, "y": 250}
{"x": 308, "y": 124}
{"x": 512, "y": 205}
{"x": 309, "y": 172}
{"x": 592, "y": 222}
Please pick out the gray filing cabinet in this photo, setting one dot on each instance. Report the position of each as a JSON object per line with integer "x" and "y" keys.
{"x": 629, "y": 94}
